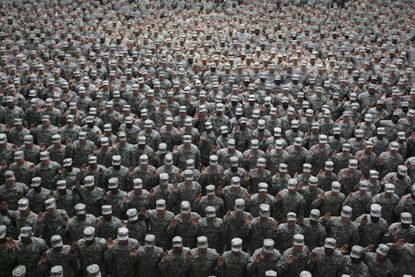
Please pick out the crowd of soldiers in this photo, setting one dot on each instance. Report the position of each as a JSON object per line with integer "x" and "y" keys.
{"x": 207, "y": 138}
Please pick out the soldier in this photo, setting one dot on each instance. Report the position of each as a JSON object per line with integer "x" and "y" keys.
{"x": 186, "y": 151}
{"x": 330, "y": 201}
{"x": 60, "y": 254}
{"x": 372, "y": 227}
{"x": 169, "y": 168}
{"x": 69, "y": 173}
{"x": 107, "y": 224}
{"x": 57, "y": 150}
{"x": 342, "y": 229}
{"x": 138, "y": 198}
{"x": 24, "y": 217}
{"x": 348, "y": 177}
{"x": 117, "y": 171}
{"x": 47, "y": 170}
{"x": 90, "y": 250}
{"x": 159, "y": 220}
{"x": 64, "y": 197}
{"x": 252, "y": 155}
{"x": 204, "y": 259}
{"x": 400, "y": 179}
{"x": 53, "y": 221}
{"x": 185, "y": 225}
{"x": 310, "y": 192}
{"x": 116, "y": 197}
{"x": 136, "y": 227}
{"x": 213, "y": 229}
{"x": 297, "y": 156}
{"x": 256, "y": 176}
{"x": 11, "y": 191}
{"x": 279, "y": 180}
{"x": 233, "y": 263}
{"x": 403, "y": 253}
{"x": 80, "y": 149}
{"x": 390, "y": 160}
{"x": 23, "y": 170}
{"x": 29, "y": 249}
{"x": 6, "y": 150}
{"x": 388, "y": 201}
{"x": 77, "y": 224}
{"x": 289, "y": 200}
{"x": 379, "y": 264}
{"x": 262, "y": 227}
{"x": 354, "y": 262}
{"x": 327, "y": 260}
{"x": 37, "y": 195}
{"x": 318, "y": 154}
{"x": 233, "y": 192}
{"x": 225, "y": 154}
{"x": 187, "y": 190}
{"x": 211, "y": 174}
{"x": 264, "y": 259}
{"x": 294, "y": 259}
{"x": 262, "y": 197}
{"x": 148, "y": 257}
{"x": 90, "y": 195}
{"x": 125, "y": 150}
{"x": 276, "y": 155}
{"x": 314, "y": 231}
{"x": 121, "y": 254}
{"x": 8, "y": 252}
{"x": 145, "y": 172}
{"x": 210, "y": 199}
{"x": 326, "y": 176}
{"x": 177, "y": 261}
{"x": 234, "y": 170}
{"x": 407, "y": 203}
{"x": 401, "y": 230}
{"x": 96, "y": 170}
{"x": 359, "y": 200}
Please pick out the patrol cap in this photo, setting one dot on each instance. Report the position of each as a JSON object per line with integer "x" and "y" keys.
{"x": 19, "y": 271}
{"x": 406, "y": 218}
{"x": 291, "y": 216}
{"x": 330, "y": 243}
{"x": 374, "y": 174}
{"x": 67, "y": 162}
{"x": 28, "y": 139}
{"x": 104, "y": 141}
{"x": 306, "y": 273}
{"x": 187, "y": 138}
{"x": 231, "y": 143}
{"x": 337, "y": 131}
{"x": 202, "y": 242}
{"x": 113, "y": 183}
{"x": 294, "y": 124}
{"x": 401, "y": 135}
{"x": 132, "y": 214}
{"x": 9, "y": 175}
{"x": 382, "y": 249}
{"x": 220, "y": 107}
{"x": 150, "y": 240}
{"x": 50, "y": 203}
{"x": 44, "y": 155}
{"x": 335, "y": 186}
{"x": 375, "y": 210}
{"x": 236, "y": 245}
{"x": 359, "y": 133}
{"x": 235, "y": 181}
{"x": 116, "y": 160}
{"x": 80, "y": 208}
{"x": 89, "y": 181}
{"x": 254, "y": 144}
{"x": 283, "y": 168}
{"x": 315, "y": 214}
{"x": 106, "y": 209}
{"x": 346, "y": 147}
{"x": 262, "y": 187}
{"x": 210, "y": 211}
{"x": 56, "y": 138}
{"x": 394, "y": 146}
{"x": 23, "y": 204}
{"x": 329, "y": 165}
{"x": 93, "y": 270}
{"x": 279, "y": 144}
{"x": 160, "y": 204}
{"x": 122, "y": 233}
{"x": 168, "y": 159}
{"x": 56, "y": 241}
{"x": 390, "y": 188}
{"x": 89, "y": 233}
{"x": 268, "y": 246}
{"x": 36, "y": 181}
{"x": 82, "y": 135}
{"x": 298, "y": 141}
{"x": 298, "y": 239}
{"x": 210, "y": 190}
{"x": 307, "y": 167}
{"x": 143, "y": 159}
{"x": 270, "y": 273}
{"x": 356, "y": 252}
{"x": 369, "y": 144}
{"x": 213, "y": 160}
{"x": 380, "y": 131}
{"x": 322, "y": 139}
{"x": 185, "y": 207}
{"x": 346, "y": 211}
{"x": 292, "y": 184}
{"x": 239, "y": 204}
{"x": 188, "y": 174}
{"x": 177, "y": 241}
{"x": 3, "y": 231}
{"x": 261, "y": 162}
{"x": 264, "y": 210}
{"x": 148, "y": 123}
{"x": 402, "y": 170}
{"x": 163, "y": 148}
{"x": 313, "y": 181}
